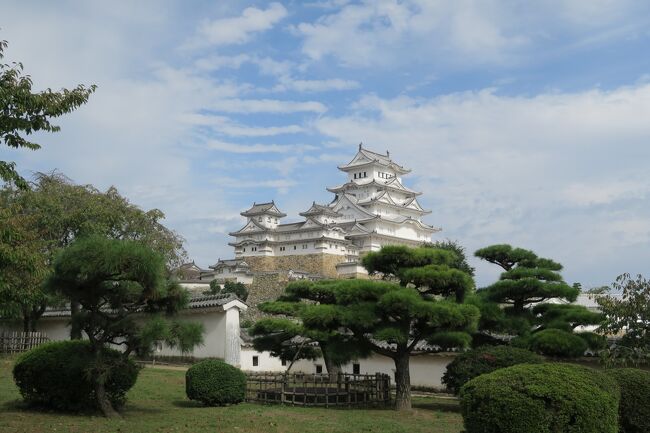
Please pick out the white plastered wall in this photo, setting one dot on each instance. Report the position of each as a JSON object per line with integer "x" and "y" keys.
{"x": 426, "y": 370}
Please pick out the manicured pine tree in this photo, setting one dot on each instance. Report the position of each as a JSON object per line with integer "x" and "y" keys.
{"x": 417, "y": 309}
{"x": 528, "y": 281}
{"x": 125, "y": 300}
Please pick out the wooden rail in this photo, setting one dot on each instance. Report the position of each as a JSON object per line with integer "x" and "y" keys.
{"x": 16, "y": 342}
{"x": 340, "y": 390}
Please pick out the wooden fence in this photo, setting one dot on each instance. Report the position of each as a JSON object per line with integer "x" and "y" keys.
{"x": 341, "y": 390}
{"x": 16, "y": 342}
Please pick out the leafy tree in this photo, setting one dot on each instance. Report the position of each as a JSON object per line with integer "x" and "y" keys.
{"x": 49, "y": 216}
{"x": 627, "y": 316}
{"x": 22, "y": 266}
{"x": 236, "y": 288}
{"x": 126, "y": 300}
{"x": 23, "y": 112}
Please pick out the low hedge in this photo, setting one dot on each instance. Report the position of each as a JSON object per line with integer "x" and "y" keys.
{"x": 541, "y": 398}
{"x": 215, "y": 383}
{"x": 55, "y": 375}
{"x": 557, "y": 343}
{"x": 634, "y": 410}
{"x": 482, "y": 360}
{"x": 594, "y": 341}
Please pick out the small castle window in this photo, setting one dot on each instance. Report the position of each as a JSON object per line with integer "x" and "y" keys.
{"x": 356, "y": 368}
{"x": 355, "y": 175}
{"x": 256, "y": 361}
{"x": 295, "y": 247}
{"x": 364, "y": 174}
{"x": 319, "y": 369}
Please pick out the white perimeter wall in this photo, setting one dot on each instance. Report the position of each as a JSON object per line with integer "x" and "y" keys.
{"x": 220, "y": 339}
{"x": 426, "y": 370}
{"x": 214, "y": 336}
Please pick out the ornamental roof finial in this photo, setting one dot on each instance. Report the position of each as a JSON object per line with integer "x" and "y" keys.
{"x": 388, "y": 153}
{"x": 360, "y": 144}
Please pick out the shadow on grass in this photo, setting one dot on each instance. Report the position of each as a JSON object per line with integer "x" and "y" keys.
{"x": 437, "y": 406}
{"x": 188, "y": 403}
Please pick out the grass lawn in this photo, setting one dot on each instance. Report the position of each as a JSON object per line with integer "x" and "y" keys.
{"x": 157, "y": 403}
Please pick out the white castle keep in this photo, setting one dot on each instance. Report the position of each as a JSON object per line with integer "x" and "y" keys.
{"x": 371, "y": 209}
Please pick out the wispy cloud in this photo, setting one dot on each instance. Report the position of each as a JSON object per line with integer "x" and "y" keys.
{"x": 248, "y": 148}
{"x": 240, "y": 29}
{"x": 225, "y": 126}
{"x": 266, "y": 106}
{"x": 297, "y": 85}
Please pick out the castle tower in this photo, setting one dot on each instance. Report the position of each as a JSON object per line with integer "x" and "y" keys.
{"x": 376, "y": 208}
{"x": 371, "y": 209}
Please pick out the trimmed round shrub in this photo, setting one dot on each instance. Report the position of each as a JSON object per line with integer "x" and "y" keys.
{"x": 634, "y": 410}
{"x": 215, "y": 383}
{"x": 594, "y": 341}
{"x": 541, "y": 398}
{"x": 55, "y": 375}
{"x": 484, "y": 360}
{"x": 558, "y": 343}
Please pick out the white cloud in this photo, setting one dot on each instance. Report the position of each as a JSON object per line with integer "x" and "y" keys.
{"x": 215, "y": 62}
{"x": 224, "y": 125}
{"x": 266, "y": 106}
{"x": 297, "y": 85}
{"x": 238, "y": 30}
{"x": 248, "y": 148}
{"x": 605, "y": 192}
{"x": 281, "y": 185}
{"x": 522, "y": 170}
{"x": 468, "y": 32}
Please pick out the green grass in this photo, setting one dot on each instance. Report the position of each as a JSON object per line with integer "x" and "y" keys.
{"x": 158, "y": 403}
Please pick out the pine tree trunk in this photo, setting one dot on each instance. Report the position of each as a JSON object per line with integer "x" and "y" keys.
{"x": 402, "y": 382}
{"x": 332, "y": 367}
{"x": 75, "y": 329}
{"x": 102, "y": 399}
{"x": 99, "y": 377}
{"x": 25, "y": 322}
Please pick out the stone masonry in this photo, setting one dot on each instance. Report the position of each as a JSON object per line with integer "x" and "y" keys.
{"x": 321, "y": 264}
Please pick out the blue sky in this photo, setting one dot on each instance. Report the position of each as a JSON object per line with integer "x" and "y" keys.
{"x": 523, "y": 122}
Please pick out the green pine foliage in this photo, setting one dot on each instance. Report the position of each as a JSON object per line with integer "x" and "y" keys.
{"x": 235, "y": 288}
{"x": 215, "y": 383}
{"x": 541, "y": 398}
{"x": 595, "y": 342}
{"x": 634, "y": 410}
{"x": 125, "y": 299}
{"x": 417, "y": 308}
{"x": 482, "y": 360}
{"x": 516, "y": 305}
{"x": 56, "y": 376}
{"x": 557, "y": 343}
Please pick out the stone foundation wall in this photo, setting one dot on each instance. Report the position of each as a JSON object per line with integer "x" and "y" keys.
{"x": 322, "y": 264}
{"x": 266, "y": 286}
